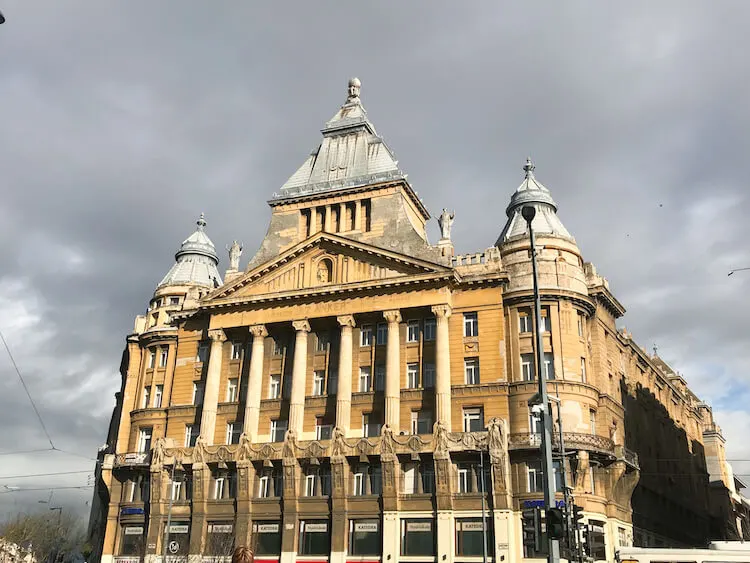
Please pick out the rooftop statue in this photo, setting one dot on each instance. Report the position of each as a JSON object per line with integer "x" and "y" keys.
{"x": 235, "y": 251}
{"x": 446, "y": 222}
{"x": 353, "y": 91}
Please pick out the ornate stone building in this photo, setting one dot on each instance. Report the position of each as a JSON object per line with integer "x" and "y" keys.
{"x": 355, "y": 392}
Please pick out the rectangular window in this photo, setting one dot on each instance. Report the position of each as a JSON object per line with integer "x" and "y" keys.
{"x": 179, "y": 536}
{"x": 133, "y": 541}
{"x": 527, "y": 367}
{"x": 219, "y": 485}
{"x": 381, "y": 336}
{"x": 471, "y": 324}
{"x": 321, "y": 342}
{"x": 592, "y": 421}
{"x": 177, "y": 490}
{"x": 274, "y": 386}
{"x": 158, "y": 394}
{"x": 470, "y": 537}
{"x": 232, "y": 389}
{"x": 151, "y": 359}
{"x": 174, "y": 300}
{"x": 319, "y": 383}
{"x": 418, "y": 537}
{"x": 235, "y": 351}
{"x": 197, "y": 393}
{"x": 412, "y": 331}
{"x": 364, "y": 379}
{"x": 549, "y": 366}
{"x": 191, "y": 435}
{"x": 144, "y": 439}
{"x": 464, "y": 480}
{"x": 429, "y": 329}
{"x": 219, "y": 539}
{"x": 473, "y": 419}
{"x": 370, "y": 425}
{"x": 583, "y": 370}
{"x": 315, "y": 537}
{"x": 365, "y": 538}
{"x": 365, "y": 335}
{"x": 412, "y": 376}
{"x": 358, "y": 484}
{"x": 421, "y": 422}
{"x": 278, "y": 347}
{"x": 264, "y": 486}
{"x": 146, "y": 397}
{"x": 278, "y": 430}
{"x": 267, "y": 538}
{"x": 524, "y": 321}
{"x": 545, "y": 321}
{"x": 322, "y": 430}
{"x": 471, "y": 371}
{"x": 202, "y": 353}
{"x": 234, "y": 430}
{"x": 333, "y": 380}
{"x": 580, "y": 324}
{"x": 534, "y": 477}
{"x": 310, "y": 485}
{"x": 428, "y": 375}
{"x": 379, "y": 377}
{"x": 535, "y": 424}
{"x": 163, "y": 358}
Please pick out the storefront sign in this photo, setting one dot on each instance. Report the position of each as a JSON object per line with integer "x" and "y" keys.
{"x": 366, "y": 527}
{"x": 179, "y": 529}
{"x": 130, "y": 511}
{"x": 220, "y": 528}
{"x": 317, "y": 527}
{"x": 419, "y": 526}
{"x": 268, "y": 528}
{"x": 133, "y": 530}
{"x": 471, "y": 526}
{"x": 127, "y": 560}
{"x": 540, "y": 504}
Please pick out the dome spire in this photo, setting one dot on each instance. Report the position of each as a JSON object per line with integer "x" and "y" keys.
{"x": 201, "y": 222}
{"x": 528, "y": 168}
{"x": 196, "y": 261}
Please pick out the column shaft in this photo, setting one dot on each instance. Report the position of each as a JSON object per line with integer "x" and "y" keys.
{"x": 254, "y": 383}
{"x": 393, "y": 371}
{"x": 344, "y": 392}
{"x": 442, "y": 365}
{"x": 299, "y": 377}
{"x": 211, "y": 392}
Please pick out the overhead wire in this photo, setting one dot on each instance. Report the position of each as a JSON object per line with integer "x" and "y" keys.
{"x": 43, "y": 474}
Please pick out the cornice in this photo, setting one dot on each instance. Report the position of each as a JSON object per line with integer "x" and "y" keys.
{"x": 527, "y": 296}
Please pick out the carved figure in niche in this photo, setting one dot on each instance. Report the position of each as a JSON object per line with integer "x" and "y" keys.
{"x": 289, "y": 451}
{"x": 386, "y": 440}
{"x": 446, "y": 222}
{"x": 199, "y": 451}
{"x": 440, "y": 431}
{"x": 496, "y": 438}
{"x": 159, "y": 453}
{"x": 243, "y": 452}
{"x": 235, "y": 251}
{"x": 339, "y": 443}
{"x": 325, "y": 271}
{"x": 613, "y": 432}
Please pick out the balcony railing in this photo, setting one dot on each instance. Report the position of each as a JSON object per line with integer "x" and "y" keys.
{"x": 133, "y": 459}
{"x": 573, "y": 441}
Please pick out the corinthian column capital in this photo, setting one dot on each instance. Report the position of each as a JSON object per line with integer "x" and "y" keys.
{"x": 393, "y": 316}
{"x": 217, "y": 335}
{"x": 346, "y": 320}
{"x": 442, "y": 311}
{"x": 258, "y": 331}
{"x": 301, "y": 326}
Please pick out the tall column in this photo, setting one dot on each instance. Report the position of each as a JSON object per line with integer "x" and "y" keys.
{"x": 254, "y": 381}
{"x": 211, "y": 392}
{"x": 344, "y": 392}
{"x": 442, "y": 364}
{"x": 358, "y": 216}
{"x": 393, "y": 371}
{"x": 299, "y": 377}
{"x": 327, "y": 220}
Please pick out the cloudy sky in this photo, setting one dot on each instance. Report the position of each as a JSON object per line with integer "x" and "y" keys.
{"x": 121, "y": 122}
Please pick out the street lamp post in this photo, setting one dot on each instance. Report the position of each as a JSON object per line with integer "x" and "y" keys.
{"x": 528, "y": 212}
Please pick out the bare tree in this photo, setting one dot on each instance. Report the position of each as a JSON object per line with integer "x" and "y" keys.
{"x": 52, "y": 538}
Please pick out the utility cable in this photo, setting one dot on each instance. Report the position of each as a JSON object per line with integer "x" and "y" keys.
{"x": 43, "y": 474}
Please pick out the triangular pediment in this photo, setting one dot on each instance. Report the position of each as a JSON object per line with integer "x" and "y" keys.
{"x": 326, "y": 260}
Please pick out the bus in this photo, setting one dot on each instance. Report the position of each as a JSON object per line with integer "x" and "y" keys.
{"x": 718, "y": 552}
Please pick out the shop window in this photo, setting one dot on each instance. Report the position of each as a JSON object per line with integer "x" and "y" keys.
{"x": 315, "y": 537}
{"x": 418, "y": 537}
{"x": 267, "y": 538}
{"x": 365, "y": 537}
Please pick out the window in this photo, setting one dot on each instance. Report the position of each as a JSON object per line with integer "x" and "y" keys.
{"x": 379, "y": 377}
{"x": 333, "y": 381}
{"x": 596, "y": 540}
{"x": 146, "y": 397}
{"x": 322, "y": 430}
{"x": 197, "y": 393}
{"x": 264, "y": 486}
{"x": 418, "y": 537}
{"x": 133, "y": 541}
{"x": 592, "y": 421}
{"x": 535, "y": 424}
{"x": 411, "y": 475}
{"x": 174, "y": 300}
{"x": 179, "y": 534}
{"x": 319, "y": 382}
{"x": 365, "y": 335}
{"x": 464, "y": 479}
{"x": 581, "y": 320}
{"x": 524, "y": 321}
{"x": 545, "y": 321}
{"x": 412, "y": 331}
{"x": 232, "y": 390}
{"x": 322, "y": 341}
{"x": 556, "y": 469}
{"x": 583, "y": 370}
{"x": 535, "y": 477}
{"x": 278, "y": 347}
{"x": 364, "y": 379}
{"x": 412, "y": 376}
{"x": 151, "y": 359}
{"x": 358, "y": 483}
{"x": 370, "y": 426}
{"x": 527, "y": 367}
{"x": 428, "y": 375}
{"x": 236, "y": 352}
{"x": 177, "y": 490}
{"x": 158, "y": 394}
{"x": 267, "y": 537}
{"x": 549, "y": 366}
{"x": 381, "y": 336}
{"x": 163, "y": 358}
{"x": 471, "y": 371}
{"x": 421, "y": 422}
{"x": 310, "y": 485}
{"x": 470, "y": 537}
{"x": 471, "y": 324}
{"x": 191, "y": 435}
{"x": 144, "y": 439}
{"x": 364, "y": 537}
{"x": 233, "y": 433}
{"x": 220, "y": 486}
{"x": 429, "y": 329}
{"x": 219, "y": 539}
{"x": 315, "y": 538}
{"x": 202, "y": 353}
{"x": 274, "y": 387}
{"x": 278, "y": 430}
{"x": 473, "y": 419}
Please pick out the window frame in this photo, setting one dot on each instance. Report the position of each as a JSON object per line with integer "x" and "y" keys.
{"x": 584, "y": 377}
{"x": 525, "y": 322}
{"x": 278, "y": 426}
{"x": 145, "y": 438}
{"x": 235, "y": 351}
{"x": 322, "y": 342}
{"x": 146, "y": 397}
{"x": 429, "y": 549}
{"x": 303, "y": 548}
{"x": 381, "y": 334}
{"x": 202, "y": 354}
{"x": 428, "y": 375}
{"x": 233, "y": 429}
{"x": 528, "y": 373}
{"x": 365, "y": 336}
{"x": 274, "y": 384}
{"x": 366, "y": 372}
{"x": 468, "y": 416}
{"x": 368, "y": 426}
{"x": 320, "y": 429}
{"x": 151, "y": 359}
{"x": 189, "y": 437}
{"x": 548, "y": 360}
{"x": 158, "y": 396}
{"x": 379, "y": 380}
{"x": 163, "y": 357}
{"x": 471, "y": 324}
{"x": 412, "y": 331}
{"x": 319, "y": 383}
{"x": 198, "y": 393}
{"x": 471, "y": 371}
{"x": 412, "y": 376}
{"x": 233, "y": 385}
{"x": 429, "y": 329}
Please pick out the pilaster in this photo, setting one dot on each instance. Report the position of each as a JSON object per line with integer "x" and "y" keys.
{"x": 299, "y": 377}
{"x": 211, "y": 394}
{"x": 442, "y": 364}
{"x": 255, "y": 380}
{"x": 393, "y": 371}
{"x": 344, "y": 391}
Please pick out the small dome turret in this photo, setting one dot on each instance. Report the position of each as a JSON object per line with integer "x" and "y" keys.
{"x": 195, "y": 262}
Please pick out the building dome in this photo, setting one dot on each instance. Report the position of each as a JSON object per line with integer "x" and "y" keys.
{"x": 195, "y": 262}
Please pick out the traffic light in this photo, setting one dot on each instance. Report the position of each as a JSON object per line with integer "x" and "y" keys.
{"x": 577, "y": 517}
{"x": 555, "y": 523}
{"x": 532, "y": 529}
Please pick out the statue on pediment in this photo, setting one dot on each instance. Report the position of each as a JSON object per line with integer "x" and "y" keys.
{"x": 235, "y": 251}
{"x": 446, "y": 222}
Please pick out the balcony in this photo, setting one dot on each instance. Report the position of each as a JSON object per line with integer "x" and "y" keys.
{"x": 573, "y": 441}
{"x": 133, "y": 459}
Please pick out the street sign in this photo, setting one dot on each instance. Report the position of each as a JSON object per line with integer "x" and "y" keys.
{"x": 174, "y": 547}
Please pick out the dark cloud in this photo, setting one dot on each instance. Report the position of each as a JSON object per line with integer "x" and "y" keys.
{"x": 121, "y": 123}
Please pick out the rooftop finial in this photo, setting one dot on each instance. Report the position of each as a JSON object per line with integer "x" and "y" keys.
{"x": 353, "y": 91}
{"x": 201, "y": 222}
{"x": 529, "y": 167}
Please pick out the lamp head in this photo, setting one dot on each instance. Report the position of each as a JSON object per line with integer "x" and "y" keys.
{"x": 528, "y": 212}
